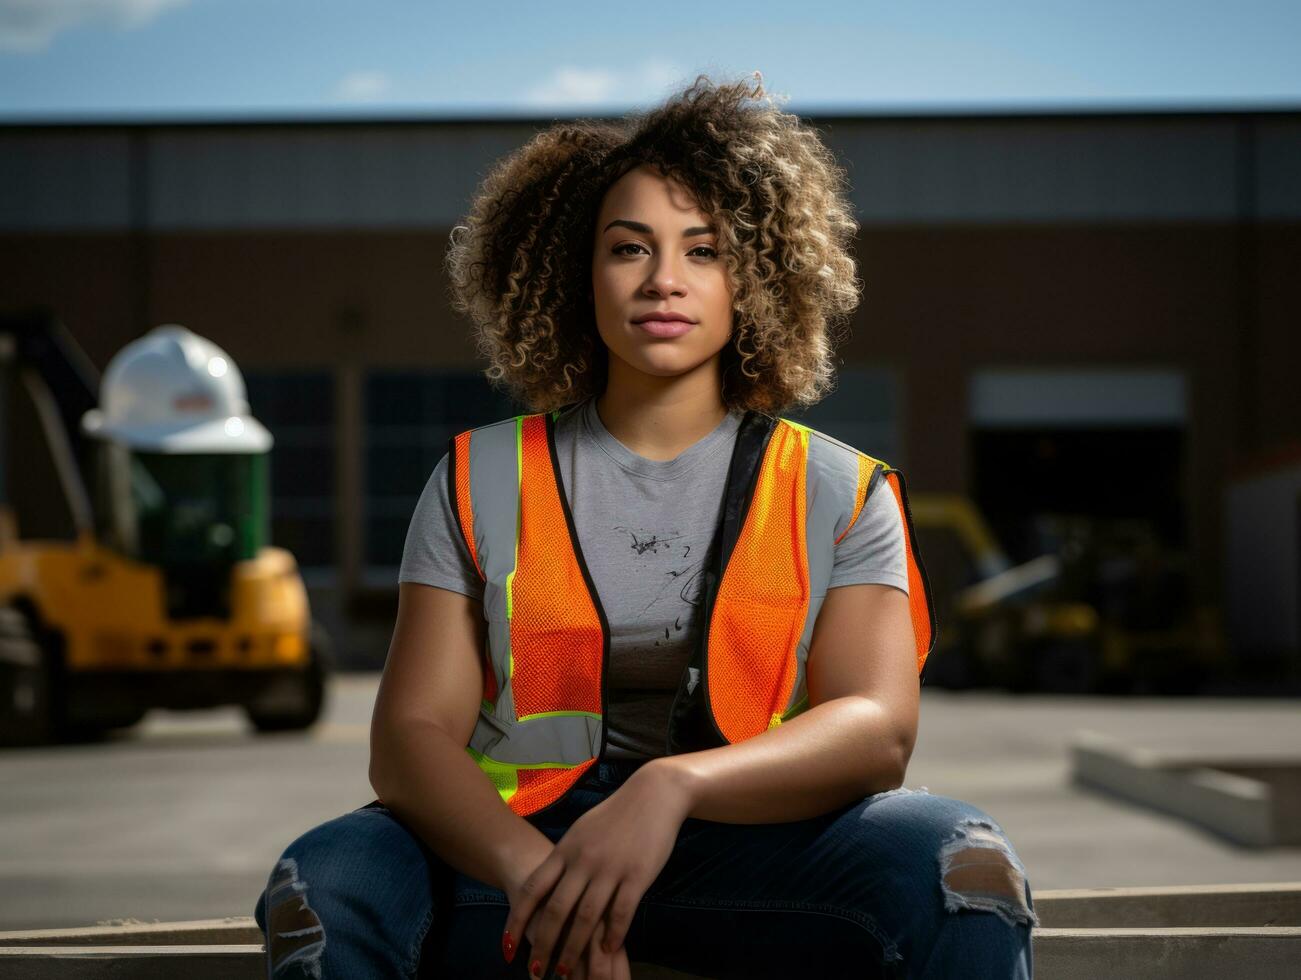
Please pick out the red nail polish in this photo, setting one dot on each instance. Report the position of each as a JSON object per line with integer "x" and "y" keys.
{"x": 507, "y": 946}
{"x": 562, "y": 970}
{"x": 535, "y": 969}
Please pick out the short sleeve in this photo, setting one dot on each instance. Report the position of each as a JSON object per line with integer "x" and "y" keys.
{"x": 435, "y": 552}
{"x": 873, "y": 550}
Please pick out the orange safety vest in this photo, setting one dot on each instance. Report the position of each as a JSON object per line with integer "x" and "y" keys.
{"x": 541, "y": 721}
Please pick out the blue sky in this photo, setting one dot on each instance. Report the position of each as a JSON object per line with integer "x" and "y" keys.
{"x": 128, "y": 59}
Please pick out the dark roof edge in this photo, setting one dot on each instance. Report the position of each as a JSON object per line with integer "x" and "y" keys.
{"x": 812, "y": 114}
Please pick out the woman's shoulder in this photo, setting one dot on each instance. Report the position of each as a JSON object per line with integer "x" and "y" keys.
{"x": 828, "y": 450}
{"x": 488, "y": 426}
{"x": 562, "y": 414}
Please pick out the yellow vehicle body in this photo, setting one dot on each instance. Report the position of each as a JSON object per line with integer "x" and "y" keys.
{"x": 111, "y": 611}
{"x": 88, "y": 644}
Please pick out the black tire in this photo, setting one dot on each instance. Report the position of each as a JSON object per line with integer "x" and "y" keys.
{"x": 310, "y": 693}
{"x": 28, "y": 683}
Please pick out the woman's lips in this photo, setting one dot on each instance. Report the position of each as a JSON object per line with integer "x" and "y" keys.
{"x": 665, "y": 328}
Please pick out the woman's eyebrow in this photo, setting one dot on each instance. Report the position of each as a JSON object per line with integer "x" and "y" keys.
{"x": 647, "y": 230}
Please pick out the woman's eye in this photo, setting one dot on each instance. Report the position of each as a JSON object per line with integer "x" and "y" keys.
{"x": 709, "y": 252}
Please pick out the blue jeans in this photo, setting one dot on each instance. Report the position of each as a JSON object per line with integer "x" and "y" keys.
{"x": 898, "y": 884}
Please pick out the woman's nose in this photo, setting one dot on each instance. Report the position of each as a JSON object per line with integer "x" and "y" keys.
{"x": 665, "y": 276}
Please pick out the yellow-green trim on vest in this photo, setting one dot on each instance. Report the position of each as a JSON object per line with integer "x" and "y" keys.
{"x": 561, "y": 714}
{"x": 798, "y": 708}
{"x": 519, "y": 481}
{"x": 504, "y": 775}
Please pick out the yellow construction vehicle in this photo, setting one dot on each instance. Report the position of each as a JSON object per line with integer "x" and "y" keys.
{"x": 1105, "y": 611}
{"x": 169, "y": 594}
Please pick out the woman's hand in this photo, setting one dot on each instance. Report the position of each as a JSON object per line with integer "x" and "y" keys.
{"x": 596, "y": 964}
{"x": 606, "y": 860}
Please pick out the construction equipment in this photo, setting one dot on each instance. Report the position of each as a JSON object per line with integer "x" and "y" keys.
{"x": 170, "y": 594}
{"x": 1104, "y": 609}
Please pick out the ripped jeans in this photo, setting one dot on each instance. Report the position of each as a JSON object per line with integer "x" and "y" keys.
{"x": 898, "y": 884}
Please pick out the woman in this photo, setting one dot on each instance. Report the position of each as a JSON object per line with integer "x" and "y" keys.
{"x": 609, "y": 607}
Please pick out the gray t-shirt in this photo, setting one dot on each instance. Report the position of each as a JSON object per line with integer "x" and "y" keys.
{"x": 645, "y": 526}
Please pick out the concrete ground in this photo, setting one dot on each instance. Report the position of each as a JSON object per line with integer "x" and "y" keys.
{"x": 183, "y": 816}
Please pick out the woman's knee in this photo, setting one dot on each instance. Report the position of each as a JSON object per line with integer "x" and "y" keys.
{"x": 362, "y": 863}
{"x": 347, "y": 852}
{"x": 973, "y": 860}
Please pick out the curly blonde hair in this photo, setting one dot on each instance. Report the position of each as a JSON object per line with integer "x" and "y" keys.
{"x": 520, "y": 265}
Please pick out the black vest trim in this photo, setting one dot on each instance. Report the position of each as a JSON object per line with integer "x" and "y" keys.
{"x": 692, "y": 726}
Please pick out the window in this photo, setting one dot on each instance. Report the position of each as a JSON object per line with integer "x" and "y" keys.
{"x": 1065, "y": 451}
{"x": 298, "y": 407}
{"x": 409, "y": 418}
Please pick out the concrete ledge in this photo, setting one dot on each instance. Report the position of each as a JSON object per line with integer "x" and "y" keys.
{"x": 235, "y": 930}
{"x": 1246, "y": 931}
{"x": 1170, "y": 906}
{"x": 1059, "y": 954}
{"x": 215, "y": 962}
{"x": 1190, "y": 954}
{"x": 1251, "y": 801}
{"x": 207, "y": 962}
{"x": 1158, "y": 906}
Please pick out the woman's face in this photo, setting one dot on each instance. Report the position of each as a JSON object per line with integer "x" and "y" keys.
{"x": 655, "y": 253}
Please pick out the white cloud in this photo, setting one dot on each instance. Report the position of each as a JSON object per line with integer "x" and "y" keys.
{"x": 30, "y": 25}
{"x": 661, "y": 76}
{"x": 573, "y": 86}
{"x": 363, "y": 86}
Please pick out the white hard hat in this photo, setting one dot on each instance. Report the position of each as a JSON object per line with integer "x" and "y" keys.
{"x": 172, "y": 391}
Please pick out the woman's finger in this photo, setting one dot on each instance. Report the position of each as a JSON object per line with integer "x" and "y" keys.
{"x": 587, "y": 968}
{"x": 619, "y": 915}
{"x": 580, "y": 970}
{"x": 599, "y": 965}
{"x": 551, "y": 918}
{"x": 525, "y": 900}
{"x": 587, "y": 913}
{"x": 620, "y": 969}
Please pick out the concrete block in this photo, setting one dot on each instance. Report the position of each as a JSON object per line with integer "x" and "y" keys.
{"x": 1256, "y": 802}
{"x": 216, "y": 962}
{"x": 234, "y": 930}
{"x": 1171, "y": 906}
{"x": 1242, "y": 953}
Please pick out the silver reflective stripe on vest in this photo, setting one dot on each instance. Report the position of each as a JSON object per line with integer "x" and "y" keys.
{"x": 495, "y": 500}
{"x": 565, "y": 739}
{"x": 494, "y": 494}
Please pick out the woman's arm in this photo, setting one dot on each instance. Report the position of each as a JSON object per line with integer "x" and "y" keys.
{"x": 425, "y": 712}
{"x": 854, "y": 740}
